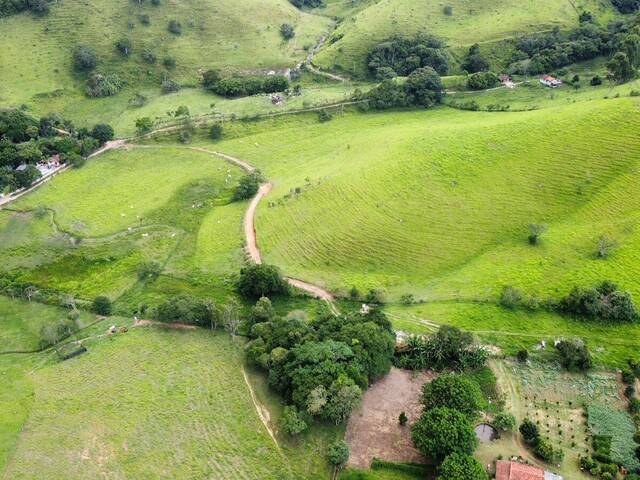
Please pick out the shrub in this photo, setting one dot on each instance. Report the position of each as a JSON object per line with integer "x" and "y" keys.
{"x": 455, "y": 392}
{"x": 210, "y": 79}
{"x": 84, "y": 58}
{"x": 483, "y": 81}
{"x": 169, "y": 86}
{"x": 144, "y": 125}
{"x": 606, "y": 246}
{"x": 545, "y": 450}
{"x": 535, "y": 232}
{"x": 149, "y": 271}
{"x": 189, "y": 310}
{"x": 292, "y": 422}
{"x": 462, "y": 467}
{"x": 54, "y": 333}
{"x": 523, "y": 355}
{"x": 595, "y": 81}
{"x": 148, "y": 56}
{"x": 403, "y": 419}
{"x": 102, "y": 132}
{"x": 604, "y": 302}
{"x": 169, "y": 62}
{"x": 504, "y": 421}
{"x": 124, "y": 46}
{"x": 107, "y": 85}
{"x": 443, "y": 431}
{"x": 529, "y": 431}
{"x": 448, "y": 10}
{"x": 261, "y": 281}
{"x": 249, "y": 85}
{"x": 287, "y": 31}
{"x": 475, "y": 61}
{"x": 574, "y": 355}
{"x": 216, "y": 131}
{"x": 248, "y": 186}
{"x": 511, "y": 297}
{"x": 175, "y": 27}
{"x": 324, "y": 116}
{"x": 338, "y": 453}
{"x": 102, "y": 305}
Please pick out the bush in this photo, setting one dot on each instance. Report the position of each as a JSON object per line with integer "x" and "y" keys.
{"x": 144, "y": 125}
{"x": 483, "y": 81}
{"x": 148, "y": 56}
{"x": 605, "y": 303}
{"x": 535, "y": 232}
{"x": 425, "y": 86}
{"x": 175, "y": 27}
{"x": 574, "y": 355}
{"x": 475, "y": 61}
{"x": 103, "y": 133}
{"x": 216, "y": 131}
{"x": 287, "y": 31}
{"x": 292, "y": 422}
{"x": 169, "y": 62}
{"x": 169, "y": 86}
{"x": 453, "y": 391}
{"x": 523, "y": 355}
{"x": 102, "y": 305}
{"x": 443, "y": 431}
{"x": 402, "y": 419}
{"x": 84, "y": 58}
{"x": 545, "y": 450}
{"x": 261, "y": 281}
{"x": 448, "y": 10}
{"x": 324, "y": 116}
{"x": 124, "y": 46}
{"x": 54, "y": 333}
{"x": 149, "y": 271}
{"x": 188, "y": 310}
{"x": 596, "y": 80}
{"x": 529, "y": 431}
{"x": 462, "y": 467}
{"x": 100, "y": 85}
{"x": 338, "y": 453}
{"x": 210, "y": 79}
{"x": 504, "y": 421}
{"x": 511, "y": 297}
{"x": 248, "y": 186}
{"x": 248, "y": 85}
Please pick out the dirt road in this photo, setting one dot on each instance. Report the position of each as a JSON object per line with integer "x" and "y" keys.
{"x": 249, "y": 224}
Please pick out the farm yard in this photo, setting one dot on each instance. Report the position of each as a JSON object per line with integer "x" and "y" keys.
{"x": 320, "y": 239}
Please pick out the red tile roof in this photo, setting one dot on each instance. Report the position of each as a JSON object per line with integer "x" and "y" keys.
{"x": 517, "y": 471}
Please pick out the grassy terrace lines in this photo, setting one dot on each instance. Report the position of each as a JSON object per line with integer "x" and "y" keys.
{"x": 403, "y": 200}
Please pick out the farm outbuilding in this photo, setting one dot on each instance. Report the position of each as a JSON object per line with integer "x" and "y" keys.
{"x": 518, "y": 471}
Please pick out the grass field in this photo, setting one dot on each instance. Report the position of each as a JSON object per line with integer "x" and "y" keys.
{"x": 416, "y": 216}
{"x": 473, "y": 21}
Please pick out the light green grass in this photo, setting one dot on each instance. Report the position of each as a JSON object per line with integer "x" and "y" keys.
{"x": 410, "y": 201}
{"x": 513, "y": 330}
{"x": 20, "y": 323}
{"x": 473, "y": 21}
{"x": 176, "y": 407}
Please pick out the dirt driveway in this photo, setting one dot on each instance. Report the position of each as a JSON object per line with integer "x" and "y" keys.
{"x": 374, "y": 431}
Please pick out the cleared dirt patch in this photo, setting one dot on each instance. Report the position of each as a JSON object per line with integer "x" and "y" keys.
{"x": 374, "y": 431}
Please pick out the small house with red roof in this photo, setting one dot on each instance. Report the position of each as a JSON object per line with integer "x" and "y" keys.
{"x": 551, "y": 82}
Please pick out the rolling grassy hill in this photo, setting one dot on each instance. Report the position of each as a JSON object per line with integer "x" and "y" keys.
{"x": 36, "y": 57}
{"x": 428, "y": 202}
{"x": 472, "y": 21}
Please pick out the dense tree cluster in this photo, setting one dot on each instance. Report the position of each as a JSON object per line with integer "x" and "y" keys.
{"x": 447, "y": 348}
{"x": 189, "y": 310}
{"x": 401, "y": 56}
{"x": 25, "y": 141}
{"x": 605, "y": 303}
{"x": 260, "y": 280}
{"x": 242, "y": 86}
{"x": 423, "y": 88}
{"x": 308, "y": 3}
{"x": 454, "y": 391}
{"x": 626, "y": 6}
{"x": 10, "y": 7}
{"x": 483, "y": 81}
{"x": 475, "y": 61}
{"x": 544, "y": 52}
{"x": 574, "y": 355}
{"x": 320, "y": 366}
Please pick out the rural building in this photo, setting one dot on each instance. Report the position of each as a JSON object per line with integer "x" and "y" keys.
{"x": 551, "y": 82}
{"x": 506, "y": 470}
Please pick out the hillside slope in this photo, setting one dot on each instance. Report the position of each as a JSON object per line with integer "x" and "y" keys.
{"x": 472, "y": 21}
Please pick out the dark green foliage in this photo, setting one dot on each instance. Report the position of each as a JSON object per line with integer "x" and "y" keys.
{"x": 216, "y": 131}
{"x": 53, "y": 333}
{"x": 169, "y": 86}
{"x": 448, "y": 348}
{"x": 529, "y": 431}
{"x": 124, "y": 46}
{"x": 462, "y": 467}
{"x": 504, "y": 421}
{"x": 10, "y": 7}
{"x": 403, "y": 419}
{"x": 453, "y": 391}
{"x": 15, "y": 126}
{"x": 144, "y": 125}
{"x": 545, "y": 450}
{"x": 605, "y": 303}
{"x": 523, "y": 355}
{"x": 102, "y": 132}
{"x": 248, "y": 85}
{"x": 425, "y": 86}
{"x": 628, "y": 377}
{"x": 261, "y": 281}
{"x": 102, "y": 305}
{"x": 338, "y": 453}
{"x": 287, "y": 31}
{"x": 169, "y": 62}
{"x": 448, "y": 10}
{"x": 187, "y": 309}
{"x": 475, "y": 62}
{"x": 307, "y": 3}
{"x": 26, "y": 177}
{"x": 388, "y": 94}
{"x": 401, "y": 56}
{"x": 148, "y": 56}
{"x": 175, "y": 27}
{"x": 626, "y": 6}
{"x": 292, "y": 422}
{"x": 443, "y": 431}
{"x": 248, "y": 186}
{"x": 595, "y": 81}
{"x": 620, "y": 68}
{"x": 483, "y": 81}
{"x": 574, "y": 355}
{"x": 100, "y": 85}
{"x": 210, "y": 78}
{"x": 84, "y": 58}
{"x": 324, "y": 116}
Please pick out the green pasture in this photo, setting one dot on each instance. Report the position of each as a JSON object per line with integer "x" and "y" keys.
{"x": 437, "y": 203}
{"x": 472, "y": 21}
{"x": 512, "y": 330}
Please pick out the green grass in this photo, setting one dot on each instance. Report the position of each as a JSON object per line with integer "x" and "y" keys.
{"x": 515, "y": 329}
{"x": 437, "y": 203}
{"x": 176, "y": 407}
{"x": 473, "y": 21}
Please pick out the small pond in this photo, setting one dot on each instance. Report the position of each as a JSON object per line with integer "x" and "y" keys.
{"x": 485, "y": 433}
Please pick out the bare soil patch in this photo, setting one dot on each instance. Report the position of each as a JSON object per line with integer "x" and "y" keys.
{"x": 374, "y": 432}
